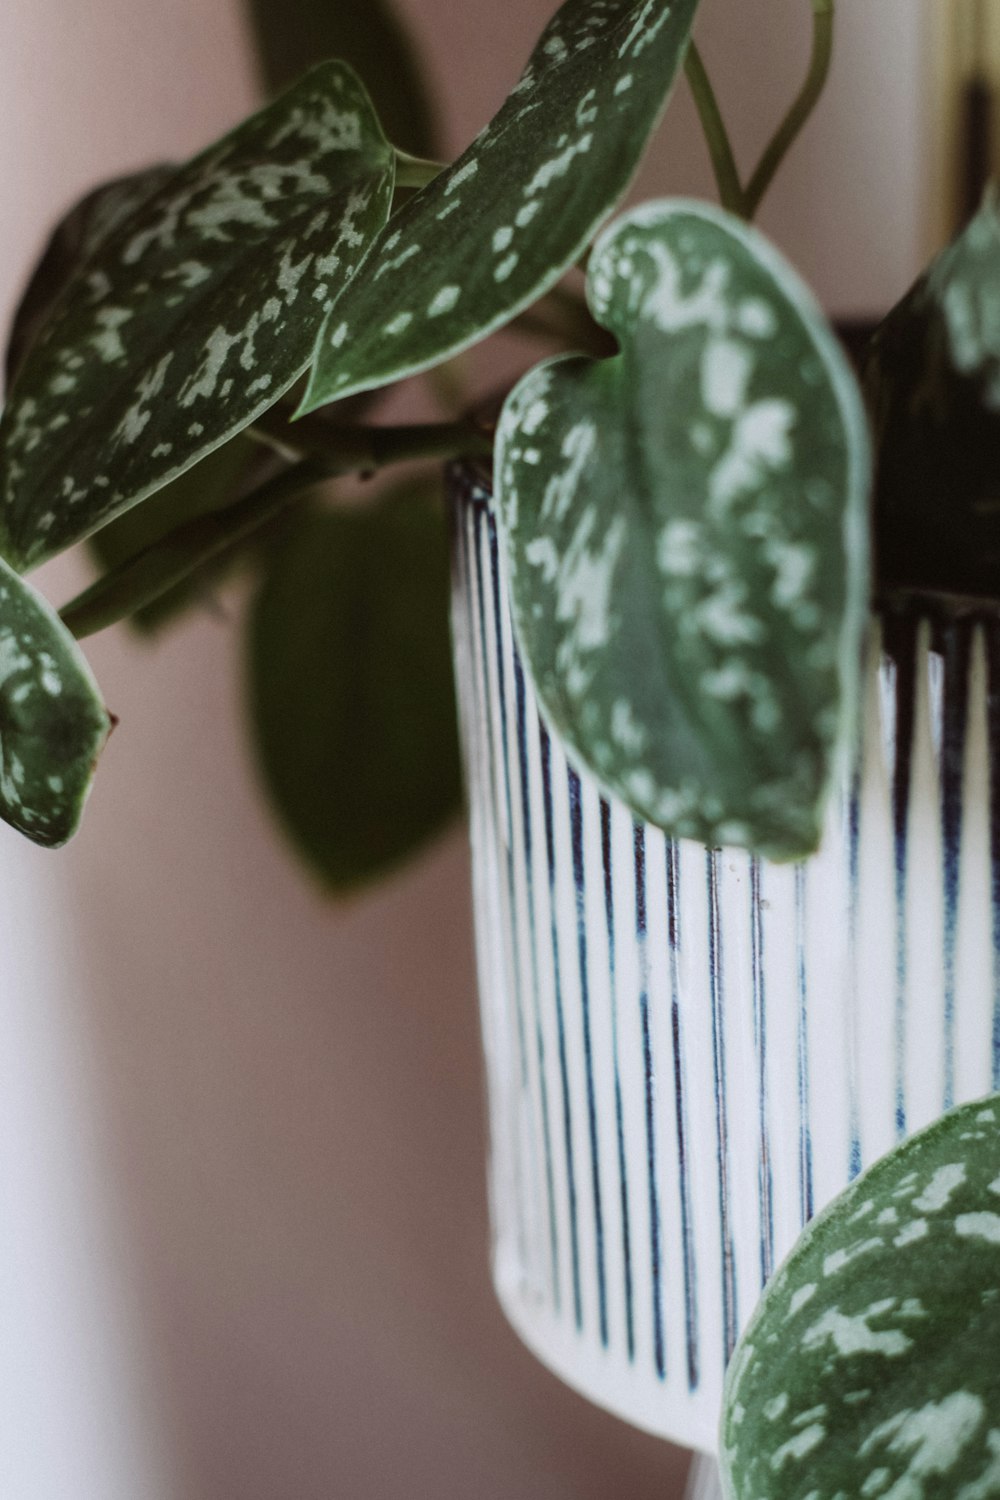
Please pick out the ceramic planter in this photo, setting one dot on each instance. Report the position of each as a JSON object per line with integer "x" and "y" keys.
{"x": 690, "y": 1051}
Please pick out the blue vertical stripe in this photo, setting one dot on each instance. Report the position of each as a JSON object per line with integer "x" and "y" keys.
{"x": 527, "y": 834}
{"x": 764, "y": 1174}
{"x": 730, "y": 1313}
{"x": 477, "y": 519}
{"x": 853, "y": 877}
{"x": 954, "y": 644}
{"x": 806, "y": 1193}
{"x": 545, "y": 745}
{"x": 512, "y": 922}
{"x": 900, "y": 645}
{"x": 626, "y": 1227}
{"x": 680, "y": 1108}
{"x": 991, "y": 633}
{"x": 580, "y": 892}
{"x": 655, "y": 1227}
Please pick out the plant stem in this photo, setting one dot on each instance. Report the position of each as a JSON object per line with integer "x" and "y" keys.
{"x": 716, "y": 136}
{"x": 416, "y": 171}
{"x": 790, "y": 127}
{"x": 354, "y": 448}
{"x": 143, "y": 578}
{"x": 330, "y": 451}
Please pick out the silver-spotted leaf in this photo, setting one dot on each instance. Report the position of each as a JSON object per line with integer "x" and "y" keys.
{"x": 77, "y": 236}
{"x": 933, "y": 379}
{"x": 195, "y": 314}
{"x": 685, "y": 530}
{"x": 501, "y": 226}
{"x": 52, "y": 722}
{"x": 869, "y": 1370}
{"x": 352, "y": 701}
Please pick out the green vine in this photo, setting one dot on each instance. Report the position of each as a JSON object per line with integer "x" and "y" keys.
{"x": 803, "y": 106}
{"x": 720, "y": 149}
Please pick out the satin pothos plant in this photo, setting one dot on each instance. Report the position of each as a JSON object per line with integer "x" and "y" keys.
{"x": 683, "y": 492}
{"x": 869, "y": 1367}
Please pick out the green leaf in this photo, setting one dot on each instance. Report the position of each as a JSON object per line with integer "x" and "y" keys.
{"x": 209, "y": 486}
{"x": 195, "y": 314}
{"x": 870, "y": 1367}
{"x": 293, "y": 35}
{"x": 933, "y": 379}
{"x": 685, "y": 530}
{"x": 75, "y": 240}
{"x": 351, "y": 687}
{"x": 76, "y": 237}
{"x": 500, "y": 227}
{"x": 52, "y": 722}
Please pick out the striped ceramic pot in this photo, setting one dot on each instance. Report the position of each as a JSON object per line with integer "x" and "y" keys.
{"x": 690, "y": 1051}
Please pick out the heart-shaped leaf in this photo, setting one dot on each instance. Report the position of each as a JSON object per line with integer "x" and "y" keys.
{"x": 501, "y": 226}
{"x": 293, "y": 35}
{"x": 194, "y": 315}
{"x": 686, "y": 534}
{"x": 870, "y": 1368}
{"x": 933, "y": 379}
{"x": 52, "y": 721}
{"x": 351, "y": 685}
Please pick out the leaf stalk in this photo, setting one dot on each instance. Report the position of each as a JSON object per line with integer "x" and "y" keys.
{"x": 713, "y": 127}
{"x": 328, "y": 452}
{"x": 801, "y": 109}
{"x": 353, "y": 448}
{"x": 142, "y": 579}
{"x": 416, "y": 171}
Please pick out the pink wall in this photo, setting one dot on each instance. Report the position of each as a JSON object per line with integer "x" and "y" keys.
{"x": 290, "y": 1091}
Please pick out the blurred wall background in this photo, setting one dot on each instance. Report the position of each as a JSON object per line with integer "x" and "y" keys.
{"x": 249, "y": 1123}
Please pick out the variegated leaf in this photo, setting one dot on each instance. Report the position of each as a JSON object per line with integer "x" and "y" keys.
{"x": 685, "y": 528}
{"x": 933, "y": 378}
{"x": 195, "y": 315}
{"x": 501, "y": 226}
{"x": 77, "y": 236}
{"x": 870, "y": 1369}
{"x": 52, "y": 721}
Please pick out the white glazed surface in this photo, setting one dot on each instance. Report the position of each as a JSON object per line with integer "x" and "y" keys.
{"x": 690, "y": 1052}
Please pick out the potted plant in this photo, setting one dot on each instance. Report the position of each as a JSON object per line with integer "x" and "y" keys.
{"x": 682, "y": 519}
{"x": 867, "y": 1368}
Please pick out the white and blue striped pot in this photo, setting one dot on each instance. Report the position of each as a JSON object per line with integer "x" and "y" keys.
{"x": 690, "y": 1051}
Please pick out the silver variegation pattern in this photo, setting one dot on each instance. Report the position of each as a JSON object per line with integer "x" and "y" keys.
{"x": 53, "y": 723}
{"x": 686, "y": 532}
{"x": 501, "y": 226}
{"x": 870, "y": 1365}
{"x": 195, "y": 313}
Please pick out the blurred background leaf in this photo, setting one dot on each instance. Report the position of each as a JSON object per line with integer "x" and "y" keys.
{"x": 350, "y": 683}
{"x": 292, "y": 35}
